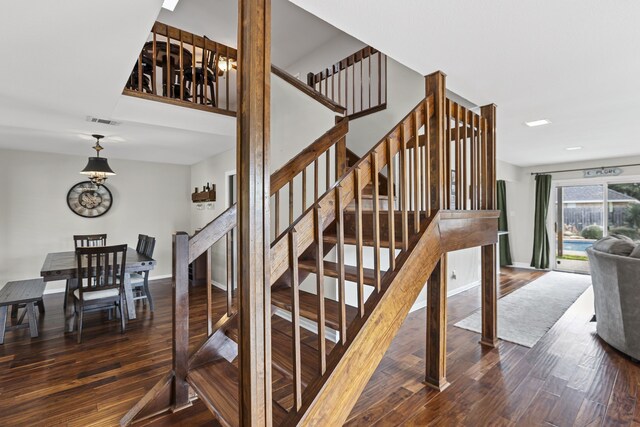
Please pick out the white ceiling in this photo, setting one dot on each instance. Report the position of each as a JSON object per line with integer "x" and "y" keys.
{"x": 573, "y": 62}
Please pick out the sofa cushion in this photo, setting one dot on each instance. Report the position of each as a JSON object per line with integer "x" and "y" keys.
{"x": 636, "y": 252}
{"x": 622, "y": 237}
{"x": 614, "y": 246}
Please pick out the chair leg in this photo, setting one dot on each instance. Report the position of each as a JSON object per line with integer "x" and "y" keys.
{"x": 148, "y": 293}
{"x": 80, "y": 315}
{"x": 66, "y": 293}
{"x": 3, "y": 322}
{"x": 122, "y": 322}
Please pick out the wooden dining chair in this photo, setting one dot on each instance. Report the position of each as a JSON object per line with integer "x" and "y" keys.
{"x": 140, "y": 280}
{"x": 195, "y": 81}
{"x": 89, "y": 240}
{"x": 100, "y": 273}
{"x": 142, "y": 240}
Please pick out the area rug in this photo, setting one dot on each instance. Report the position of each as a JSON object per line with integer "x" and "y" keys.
{"x": 526, "y": 314}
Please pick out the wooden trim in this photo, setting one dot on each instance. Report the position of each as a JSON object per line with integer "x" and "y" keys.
{"x": 178, "y": 102}
{"x": 308, "y": 90}
{"x": 368, "y": 111}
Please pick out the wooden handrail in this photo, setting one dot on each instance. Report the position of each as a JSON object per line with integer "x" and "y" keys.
{"x": 308, "y": 90}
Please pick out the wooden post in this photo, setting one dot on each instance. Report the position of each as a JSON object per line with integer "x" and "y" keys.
{"x": 436, "y": 352}
{"x": 180, "y": 341}
{"x": 489, "y": 273}
{"x": 341, "y": 152}
{"x": 254, "y": 268}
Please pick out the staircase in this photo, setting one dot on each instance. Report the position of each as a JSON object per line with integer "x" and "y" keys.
{"x": 347, "y": 269}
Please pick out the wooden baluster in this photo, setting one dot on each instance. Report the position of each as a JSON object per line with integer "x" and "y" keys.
{"x": 277, "y": 214}
{"x": 181, "y": 77}
{"x": 390, "y": 207}
{"x": 226, "y": 74}
{"x": 229, "y": 242}
{"x": 458, "y": 163}
{"x": 465, "y": 167}
{"x": 339, "y": 84}
{"x": 320, "y": 289}
{"x": 369, "y": 81}
{"x": 315, "y": 179}
{"x": 341, "y": 156}
{"x": 327, "y": 172}
{"x": 209, "y": 294}
{"x": 291, "y": 202}
{"x": 193, "y": 68}
{"x": 304, "y": 189}
{"x": 427, "y": 158}
{"x": 346, "y": 88}
{"x": 417, "y": 173}
{"x": 353, "y": 87}
{"x": 180, "y": 337}
{"x": 379, "y": 78}
{"x": 359, "y": 260}
{"x": 361, "y": 83}
{"x": 385, "y": 79}
{"x": 483, "y": 163}
{"x": 295, "y": 320}
{"x": 342, "y": 313}
{"x": 472, "y": 155}
{"x": 375, "y": 171}
{"x": 404, "y": 189}
{"x": 140, "y": 72}
{"x": 153, "y": 63}
{"x": 168, "y": 68}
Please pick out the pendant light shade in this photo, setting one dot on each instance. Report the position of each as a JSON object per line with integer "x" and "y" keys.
{"x": 97, "y": 168}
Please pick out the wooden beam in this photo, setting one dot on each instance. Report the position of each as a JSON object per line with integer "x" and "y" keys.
{"x": 436, "y": 351}
{"x": 489, "y": 252}
{"x": 180, "y": 338}
{"x": 254, "y": 313}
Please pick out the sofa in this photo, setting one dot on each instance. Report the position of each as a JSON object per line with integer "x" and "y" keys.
{"x": 615, "y": 273}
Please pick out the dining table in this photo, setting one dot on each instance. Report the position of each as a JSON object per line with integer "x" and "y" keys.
{"x": 63, "y": 266}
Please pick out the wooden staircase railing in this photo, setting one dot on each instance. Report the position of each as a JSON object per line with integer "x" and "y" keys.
{"x": 359, "y": 82}
{"x": 408, "y": 233}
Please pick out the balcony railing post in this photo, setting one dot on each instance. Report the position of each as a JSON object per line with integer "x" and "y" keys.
{"x": 436, "y": 336}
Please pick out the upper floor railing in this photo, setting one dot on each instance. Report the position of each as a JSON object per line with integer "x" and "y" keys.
{"x": 181, "y": 68}
{"x": 357, "y": 82}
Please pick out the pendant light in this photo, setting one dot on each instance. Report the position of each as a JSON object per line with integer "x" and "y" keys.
{"x": 97, "y": 168}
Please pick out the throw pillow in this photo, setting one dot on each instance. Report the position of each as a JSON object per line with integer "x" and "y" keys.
{"x": 636, "y": 252}
{"x": 614, "y": 246}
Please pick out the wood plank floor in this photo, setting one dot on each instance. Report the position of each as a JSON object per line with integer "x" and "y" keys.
{"x": 569, "y": 378}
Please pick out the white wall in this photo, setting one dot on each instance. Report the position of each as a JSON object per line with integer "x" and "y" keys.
{"x": 148, "y": 198}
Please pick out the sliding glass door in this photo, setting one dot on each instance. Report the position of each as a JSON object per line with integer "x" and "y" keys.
{"x": 586, "y": 213}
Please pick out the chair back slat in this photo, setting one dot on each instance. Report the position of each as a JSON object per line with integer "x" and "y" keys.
{"x": 89, "y": 240}
{"x": 100, "y": 268}
{"x": 150, "y": 244}
{"x": 142, "y": 240}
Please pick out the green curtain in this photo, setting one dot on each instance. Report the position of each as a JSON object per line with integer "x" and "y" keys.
{"x": 541, "y": 249}
{"x": 505, "y": 249}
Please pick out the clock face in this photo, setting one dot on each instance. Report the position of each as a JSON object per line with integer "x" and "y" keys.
{"x": 88, "y": 200}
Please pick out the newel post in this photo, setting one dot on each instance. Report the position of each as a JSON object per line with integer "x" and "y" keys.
{"x": 489, "y": 252}
{"x": 341, "y": 151}
{"x": 180, "y": 338}
{"x": 436, "y": 351}
{"x": 254, "y": 267}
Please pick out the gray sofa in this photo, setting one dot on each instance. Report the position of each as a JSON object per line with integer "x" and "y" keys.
{"x": 616, "y": 287}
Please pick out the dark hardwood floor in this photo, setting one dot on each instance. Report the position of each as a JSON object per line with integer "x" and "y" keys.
{"x": 569, "y": 378}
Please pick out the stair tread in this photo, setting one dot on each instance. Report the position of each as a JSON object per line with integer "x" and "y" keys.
{"x": 331, "y": 270}
{"x": 216, "y": 384}
{"x": 281, "y": 297}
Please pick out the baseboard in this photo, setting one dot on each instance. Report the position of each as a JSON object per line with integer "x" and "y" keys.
{"x": 330, "y": 334}
{"x": 461, "y": 289}
{"x": 58, "y": 287}
{"x": 527, "y": 266}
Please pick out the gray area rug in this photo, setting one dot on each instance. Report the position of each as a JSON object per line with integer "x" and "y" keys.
{"x": 525, "y": 315}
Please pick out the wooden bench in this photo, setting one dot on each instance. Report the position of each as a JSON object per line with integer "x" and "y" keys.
{"x": 26, "y": 293}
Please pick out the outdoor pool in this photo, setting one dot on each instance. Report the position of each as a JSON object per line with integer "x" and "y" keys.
{"x": 577, "y": 245}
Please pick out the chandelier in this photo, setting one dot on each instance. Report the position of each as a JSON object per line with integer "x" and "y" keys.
{"x": 97, "y": 169}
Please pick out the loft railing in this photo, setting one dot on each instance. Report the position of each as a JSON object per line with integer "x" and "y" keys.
{"x": 181, "y": 68}
{"x": 357, "y": 82}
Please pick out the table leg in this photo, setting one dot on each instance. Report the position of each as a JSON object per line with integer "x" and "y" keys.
{"x": 128, "y": 293}
{"x": 33, "y": 323}
{"x": 3, "y": 322}
{"x": 70, "y": 314}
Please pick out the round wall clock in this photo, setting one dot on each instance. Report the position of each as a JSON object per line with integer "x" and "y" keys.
{"x": 88, "y": 200}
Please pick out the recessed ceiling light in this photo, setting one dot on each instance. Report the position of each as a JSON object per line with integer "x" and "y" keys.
{"x": 573, "y": 148}
{"x": 170, "y": 4}
{"x": 537, "y": 123}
